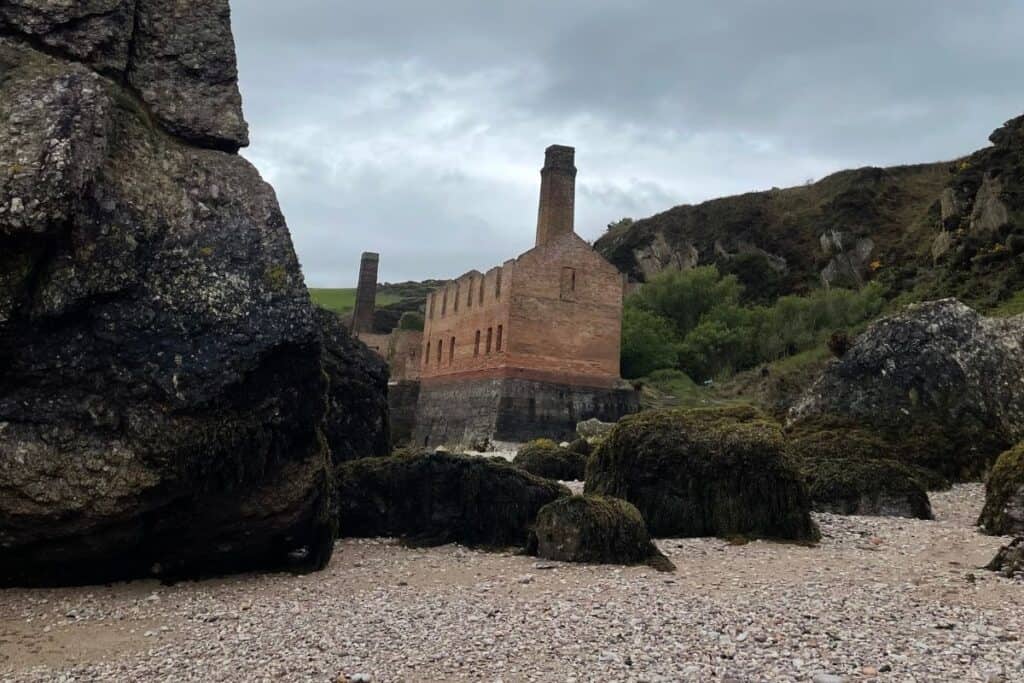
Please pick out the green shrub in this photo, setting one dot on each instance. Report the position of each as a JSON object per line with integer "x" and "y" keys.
{"x": 545, "y": 458}
{"x": 411, "y": 320}
{"x": 595, "y": 529}
{"x": 705, "y": 472}
{"x": 648, "y": 343}
{"x": 683, "y": 297}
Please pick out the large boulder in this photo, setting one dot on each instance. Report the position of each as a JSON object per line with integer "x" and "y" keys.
{"x": 436, "y": 498}
{"x": 938, "y": 377}
{"x": 1003, "y": 514}
{"x": 545, "y": 458}
{"x": 162, "y": 390}
{"x": 597, "y": 530}
{"x": 709, "y": 472}
{"x": 357, "y": 424}
{"x": 850, "y": 472}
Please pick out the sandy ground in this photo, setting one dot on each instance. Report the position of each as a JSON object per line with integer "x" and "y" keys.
{"x": 879, "y": 599}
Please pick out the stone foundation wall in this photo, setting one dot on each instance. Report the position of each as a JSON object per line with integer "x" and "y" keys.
{"x": 402, "y": 399}
{"x": 472, "y": 412}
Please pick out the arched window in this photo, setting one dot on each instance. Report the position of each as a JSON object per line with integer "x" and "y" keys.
{"x": 490, "y": 332}
{"x": 476, "y": 344}
{"x": 497, "y": 342}
{"x": 444, "y": 302}
{"x": 497, "y": 286}
{"x": 469, "y": 294}
{"x": 426, "y": 356}
{"x": 458, "y": 288}
{"x": 440, "y": 351}
{"x": 451, "y": 352}
{"x": 430, "y": 304}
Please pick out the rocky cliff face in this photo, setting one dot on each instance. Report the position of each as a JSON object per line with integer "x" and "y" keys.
{"x": 938, "y": 372}
{"x": 943, "y": 229}
{"x": 163, "y": 393}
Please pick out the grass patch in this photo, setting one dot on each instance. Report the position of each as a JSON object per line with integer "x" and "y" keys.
{"x": 1012, "y": 306}
{"x": 343, "y": 300}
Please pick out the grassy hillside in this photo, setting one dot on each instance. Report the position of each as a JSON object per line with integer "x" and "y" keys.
{"x": 343, "y": 300}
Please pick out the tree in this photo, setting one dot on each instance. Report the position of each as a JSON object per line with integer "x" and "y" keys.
{"x": 648, "y": 343}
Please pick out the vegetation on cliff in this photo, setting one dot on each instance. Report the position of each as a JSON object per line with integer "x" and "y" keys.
{"x": 1003, "y": 513}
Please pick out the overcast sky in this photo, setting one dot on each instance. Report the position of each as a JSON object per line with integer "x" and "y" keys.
{"x": 417, "y": 128}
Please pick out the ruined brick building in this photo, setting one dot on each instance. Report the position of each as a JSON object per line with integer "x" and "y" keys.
{"x": 530, "y": 347}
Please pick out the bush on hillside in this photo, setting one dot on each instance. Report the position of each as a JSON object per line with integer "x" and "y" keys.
{"x": 545, "y": 458}
{"x": 706, "y": 472}
{"x": 595, "y": 529}
{"x": 648, "y": 343}
{"x": 436, "y": 498}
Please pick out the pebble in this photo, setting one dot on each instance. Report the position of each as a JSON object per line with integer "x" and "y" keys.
{"x": 847, "y": 610}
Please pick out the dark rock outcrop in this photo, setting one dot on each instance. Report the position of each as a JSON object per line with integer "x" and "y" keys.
{"x": 597, "y": 530}
{"x": 547, "y": 459}
{"x": 850, "y": 472}
{"x": 1009, "y": 561}
{"x": 436, "y": 498}
{"x": 162, "y": 387}
{"x": 357, "y": 395}
{"x": 710, "y": 472}
{"x": 1003, "y": 514}
{"x": 938, "y": 375}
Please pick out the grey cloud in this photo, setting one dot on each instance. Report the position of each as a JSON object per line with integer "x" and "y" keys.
{"x": 417, "y": 128}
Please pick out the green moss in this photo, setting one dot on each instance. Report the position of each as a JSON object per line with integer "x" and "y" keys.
{"x": 1005, "y": 483}
{"x": 595, "y": 529}
{"x": 706, "y": 472}
{"x": 276, "y": 278}
{"x": 545, "y": 458}
{"x": 435, "y": 498}
{"x": 848, "y": 471}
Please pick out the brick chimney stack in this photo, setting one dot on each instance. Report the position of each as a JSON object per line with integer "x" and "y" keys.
{"x": 366, "y": 294}
{"x": 555, "y": 215}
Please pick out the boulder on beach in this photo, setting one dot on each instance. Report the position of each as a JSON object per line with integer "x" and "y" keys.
{"x": 938, "y": 378}
{"x": 707, "y": 472}
{"x": 593, "y": 429}
{"x": 850, "y": 472}
{"x": 437, "y": 498}
{"x": 1003, "y": 514}
{"x": 547, "y": 459}
{"x": 1009, "y": 561}
{"x": 162, "y": 384}
{"x": 595, "y": 529}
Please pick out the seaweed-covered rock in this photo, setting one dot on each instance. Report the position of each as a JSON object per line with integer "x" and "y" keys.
{"x": 162, "y": 386}
{"x": 595, "y": 529}
{"x": 1003, "y": 514}
{"x": 937, "y": 375}
{"x": 547, "y": 459}
{"x": 357, "y": 396}
{"x": 849, "y": 472}
{"x": 435, "y": 498}
{"x": 1009, "y": 561}
{"x": 708, "y": 472}
{"x": 582, "y": 447}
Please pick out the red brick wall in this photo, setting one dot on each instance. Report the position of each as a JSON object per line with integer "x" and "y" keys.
{"x": 559, "y": 309}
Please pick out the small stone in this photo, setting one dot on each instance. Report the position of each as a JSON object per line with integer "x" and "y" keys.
{"x": 828, "y": 678}
{"x": 526, "y": 578}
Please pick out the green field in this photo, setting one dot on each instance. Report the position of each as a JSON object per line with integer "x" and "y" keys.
{"x": 344, "y": 300}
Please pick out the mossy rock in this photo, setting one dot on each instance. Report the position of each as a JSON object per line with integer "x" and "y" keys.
{"x": 581, "y": 446}
{"x": 595, "y": 529}
{"x": 1003, "y": 514}
{"x": 436, "y": 498}
{"x": 848, "y": 472}
{"x": 922, "y": 450}
{"x": 708, "y": 472}
{"x": 547, "y": 459}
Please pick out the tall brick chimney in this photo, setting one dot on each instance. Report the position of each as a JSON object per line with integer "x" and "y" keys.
{"x": 555, "y": 215}
{"x": 366, "y": 293}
